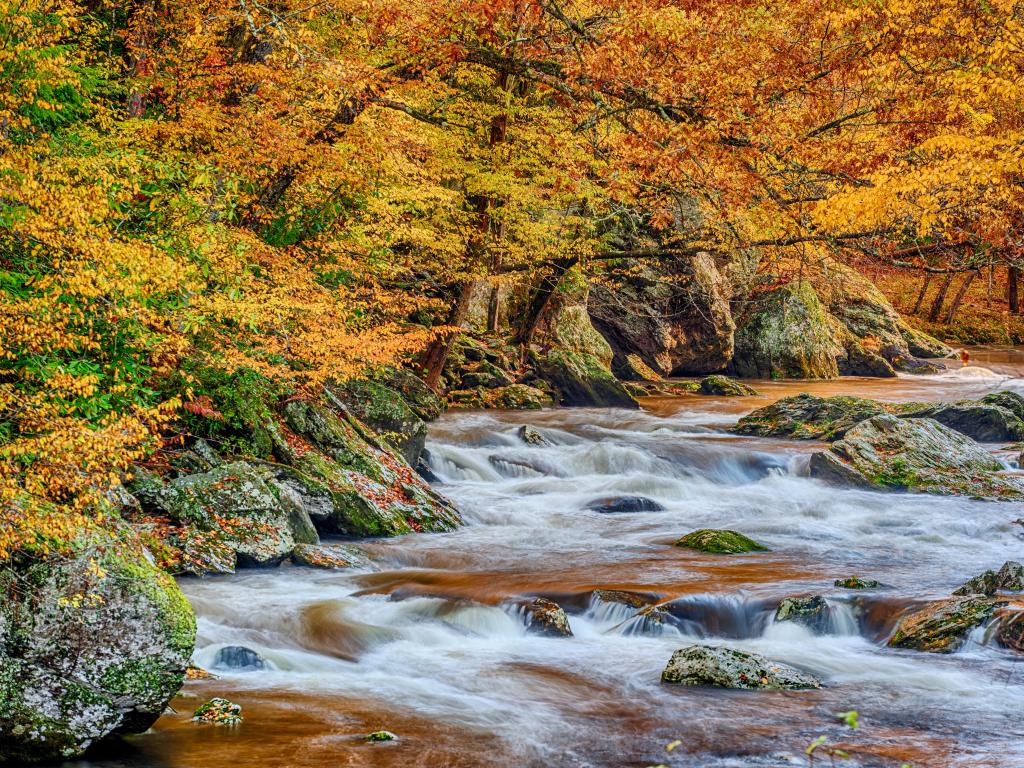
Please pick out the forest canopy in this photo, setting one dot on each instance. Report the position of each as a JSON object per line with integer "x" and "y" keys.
{"x": 303, "y": 190}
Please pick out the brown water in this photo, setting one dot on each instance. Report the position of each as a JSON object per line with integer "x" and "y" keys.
{"x": 428, "y": 647}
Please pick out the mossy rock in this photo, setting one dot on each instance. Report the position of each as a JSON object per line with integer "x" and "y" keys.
{"x": 855, "y": 582}
{"x": 1009, "y": 578}
{"x": 330, "y": 556}
{"x": 720, "y": 541}
{"x": 545, "y": 617}
{"x": 724, "y": 386}
{"x": 985, "y": 421}
{"x": 386, "y": 411}
{"x": 943, "y": 625}
{"x": 518, "y": 397}
{"x": 921, "y": 455}
{"x": 581, "y": 380}
{"x": 728, "y": 668}
{"x": 93, "y": 643}
{"x": 809, "y": 417}
{"x": 811, "y": 611}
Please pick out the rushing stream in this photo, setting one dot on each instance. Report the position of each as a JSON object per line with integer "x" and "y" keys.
{"x": 429, "y": 645}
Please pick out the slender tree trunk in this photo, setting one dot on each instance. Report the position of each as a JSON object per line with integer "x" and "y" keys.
{"x": 940, "y": 297}
{"x": 921, "y": 294}
{"x": 139, "y": 42}
{"x": 1012, "y": 289}
{"x": 959, "y": 296}
{"x": 493, "y": 305}
{"x": 438, "y": 352}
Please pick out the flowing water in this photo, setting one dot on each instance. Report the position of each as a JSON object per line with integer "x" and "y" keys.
{"x": 429, "y": 644}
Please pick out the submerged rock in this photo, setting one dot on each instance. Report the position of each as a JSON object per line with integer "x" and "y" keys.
{"x": 808, "y": 417}
{"x": 915, "y": 455}
{"x": 723, "y": 542}
{"x": 219, "y": 712}
{"x": 238, "y": 658}
{"x": 943, "y": 625}
{"x": 379, "y": 736}
{"x": 545, "y": 617}
{"x": 855, "y": 582}
{"x": 723, "y": 385}
{"x": 1009, "y": 578}
{"x": 93, "y": 643}
{"x": 614, "y": 504}
{"x": 727, "y": 668}
{"x": 329, "y": 556}
{"x": 811, "y": 611}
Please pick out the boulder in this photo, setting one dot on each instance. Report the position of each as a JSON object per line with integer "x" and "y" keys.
{"x": 915, "y": 455}
{"x": 855, "y": 582}
{"x": 531, "y": 436}
{"x": 238, "y": 658}
{"x": 329, "y": 556}
{"x": 387, "y": 412}
{"x": 723, "y": 542}
{"x": 727, "y": 668}
{"x": 1009, "y": 578}
{"x": 808, "y": 417}
{"x": 786, "y": 333}
{"x": 517, "y": 397}
{"x": 235, "y": 513}
{"x": 373, "y": 491}
{"x": 545, "y": 617}
{"x": 983, "y": 421}
{"x": 943, "y": 625}
{"x": 670, "y": 322}
{"x": 811, "y": 611}
{"x": 94, "y": 643}
{"x": 634, "y": 600}
{"x": 723, "y": 385}
{"x": 581, "y": 380}
{"x": 614, "y": 504}
{"x": 1011, "y": 401}
{"x": 1008, "y": 627}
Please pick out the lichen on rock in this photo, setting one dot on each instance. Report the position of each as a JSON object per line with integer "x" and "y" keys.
{"x": 728, "y": 668}
{"x": 724, "y": 542}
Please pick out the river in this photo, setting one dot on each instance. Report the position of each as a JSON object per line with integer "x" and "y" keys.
{"x": 429, "y": 646}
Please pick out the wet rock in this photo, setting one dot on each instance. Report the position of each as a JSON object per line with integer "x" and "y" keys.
{"x": 93, "y": 643}
{"x": 1008, "y": 627}
{"x": 387, "y": 412}
{"x": 379, "y": 736}
{"x": 329, "y": 556}
{"x": 234, "y": 512}
{"x": 912, "y": 454}
{"x": 1009, "y": 578}
{"x": 811, "y": 611}
{"x": 786, "y": 333}
{"x": 855, "y": 582}
{"x": 723, "y": 385}
{"x": 546, "y": 617}
{"x": 724, "y": 542}
{"x": 374, "y": 492}
{"x": 614, "y": 504}
{"x": 672, "y": 321}
{"x": 219, "y": 712}
{"x": 943, "y": 625}
{"x": 808, "y": 417}
{"x": 1011, "y": 401}
{"x": 581, "y": 381}
{"x": 531, "y": 436}
{"x": 982, "y": 421}
{"x": 238, "y": 658}
{"x": 728, "y": 668}
{"x": 518, "y": 397}
{"x": 624, "y": 597}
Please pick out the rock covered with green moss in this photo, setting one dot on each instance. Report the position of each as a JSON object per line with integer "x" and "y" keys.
{"x": 943, "y": 625}
{"x": 728, "y": 668}
{"x": 921, "y": 455}
{"x": 984, "y": 420}
{"x": 855, "y": 582}
{"x": 218, "y": 711}
{"x": 809, "y": 417}
{"x": 721, "y": 542}
{"x": 1009, "y": 578}
{"x": 93, "y": 643}
{"x": 387, "y": 412}
{"x": 811, "y": 610}
{"x": 722, "y": 385}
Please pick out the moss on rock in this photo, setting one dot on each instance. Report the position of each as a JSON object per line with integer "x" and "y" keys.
{"x": 720, "y": 541}
{"x": 943, "y": 625}
{"x": 723, "y": 385}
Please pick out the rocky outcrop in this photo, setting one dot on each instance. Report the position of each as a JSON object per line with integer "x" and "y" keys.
{"x": 728, "y": 668}
{"x": 785, "y": 333}
{"x": 984, "y": 421}
{"x": 724, "y": 386}
{"x": 1009, "y": 578}
{"x": 943, "y": 625}
{"x": 93, "y": 643}
{"x": 517, "y": 397}
{"x": 673, "y": 323}
{"x": 545, "y": 617}
{"x": 887, "y": 452}
{"x": 808, "y": 417}
{"x": 721, "y": 542}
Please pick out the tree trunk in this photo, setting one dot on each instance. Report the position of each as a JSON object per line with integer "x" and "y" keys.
{"x": 940, "y": 298}
{"x": 438, "y": 352}
{"x": 959, "y": 296}
{"x": 921, "y": 294}
{"x": 139, "y": 46}
{"x": 492, "y": 308}
{"x": 1012, "y": 292}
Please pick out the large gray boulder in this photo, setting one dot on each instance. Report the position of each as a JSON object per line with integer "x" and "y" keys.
{"x": 888, "y": 452}
{"x": 984, "y": 421}
{"x": 728, "y": 668}
{"x": 93, "y": 643}
{"x": 809, "y": 417}
{"x": 673, "y": 322}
